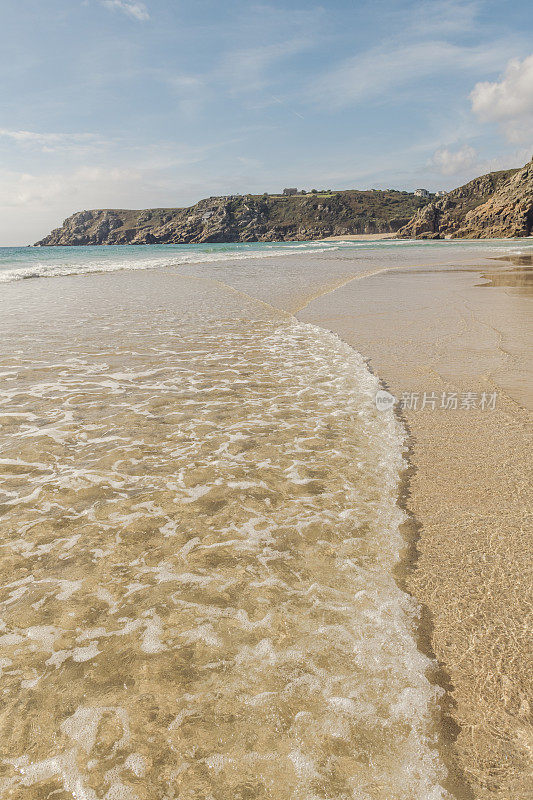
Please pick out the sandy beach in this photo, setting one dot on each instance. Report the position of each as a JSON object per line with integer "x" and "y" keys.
{"x": 266, "y": 398}
{"x": 208, "y": 585}
{"x": 454, "y": 320}
{"x": 360, "y": 237}
{"x": 457, "y": 330}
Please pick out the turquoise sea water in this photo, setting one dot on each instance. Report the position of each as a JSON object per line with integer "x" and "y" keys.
{"x": 18, "y": 263}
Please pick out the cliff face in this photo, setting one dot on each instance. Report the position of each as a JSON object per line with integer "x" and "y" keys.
{"x": 250, "y": 218}
{"x": 507, "y": 213}
{"x": 499, "y": 204}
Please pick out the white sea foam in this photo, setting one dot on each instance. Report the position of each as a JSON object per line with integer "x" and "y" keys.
{"x": 79, "y": 263}
{"x": 24, "y": 263}
{"x": 213, "y": 529}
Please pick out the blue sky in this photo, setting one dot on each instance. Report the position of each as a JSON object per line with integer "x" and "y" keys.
{"x": 123, "y": 103}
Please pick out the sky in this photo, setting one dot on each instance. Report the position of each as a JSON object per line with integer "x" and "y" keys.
{"x": 130, "y": 104}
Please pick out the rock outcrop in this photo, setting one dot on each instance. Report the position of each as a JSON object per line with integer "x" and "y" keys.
{"x": 499, "y": 204}
{"x": 249, "y": 218}
{"x": 507, "y": 213}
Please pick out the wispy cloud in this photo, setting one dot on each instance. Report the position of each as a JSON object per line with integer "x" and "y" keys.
{"x": 249, "y": 69}
{"x": 381, "y": 70}
{"x": 191, "y": 91}
{"x": 508, "y": 101}
{"x": 52, "y": 142}
{"x": 428, "y": 18}
{"x": 264, "y": 41}
{"x": 132, "y": 8}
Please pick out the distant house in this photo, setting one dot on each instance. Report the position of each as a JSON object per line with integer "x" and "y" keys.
{"x": 290, "y": 192}
{"x": 421, "y": 193}
{"x": 440, "y": 194}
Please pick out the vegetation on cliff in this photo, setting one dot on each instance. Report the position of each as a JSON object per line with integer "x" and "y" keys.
{"x": 248, "y": 218}
{"x": 499, "y": 204}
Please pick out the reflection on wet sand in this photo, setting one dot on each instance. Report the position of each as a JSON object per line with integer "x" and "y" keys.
{"x": 437, "y": 328}
{"x": 518, "y": 277}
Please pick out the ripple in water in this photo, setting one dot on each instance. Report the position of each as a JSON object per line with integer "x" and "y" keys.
{"x": 200, "y": 530}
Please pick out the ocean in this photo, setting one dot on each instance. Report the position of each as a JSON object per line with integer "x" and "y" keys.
{"x": 19, "y": 263}
{"x": 201, "y": 533}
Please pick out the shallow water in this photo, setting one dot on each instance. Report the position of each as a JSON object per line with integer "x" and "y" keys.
{"x": 200, "y": 530}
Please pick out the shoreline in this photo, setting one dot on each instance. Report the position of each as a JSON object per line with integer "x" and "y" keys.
{"x": 351, "y": 237}
{"x": 464, "y": 490}
{"x": 425, "y": 326}
{"x": 136, "y": 531}
{"x": 361, "y": 237}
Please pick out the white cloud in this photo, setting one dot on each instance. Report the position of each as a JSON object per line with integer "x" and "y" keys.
{"x": 132, "y": 8}
{"x": 380, "y": 70}
{"x": 33, "y": 201}
{"x": 508, "y": 101}
{"x": 32, "y": 204}
{"x": 452, "y": 162}
{"x": 464, "y": 163}
{"x": 30, "y": 190}
{"x": 52, "y": 142}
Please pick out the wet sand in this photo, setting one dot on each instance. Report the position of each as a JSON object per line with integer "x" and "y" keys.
{"x": 462, "y": 330}
{"x": 435, "y": 319}
{"x": 200, "y": 533}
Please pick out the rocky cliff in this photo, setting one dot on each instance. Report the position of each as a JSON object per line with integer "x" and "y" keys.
{"x": 249, "y": 218}
{"x": 499, "y": 204}
{"x": 507, "y": 213}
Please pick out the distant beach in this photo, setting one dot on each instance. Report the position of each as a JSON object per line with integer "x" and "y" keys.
{"x": 361, "y": 237}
